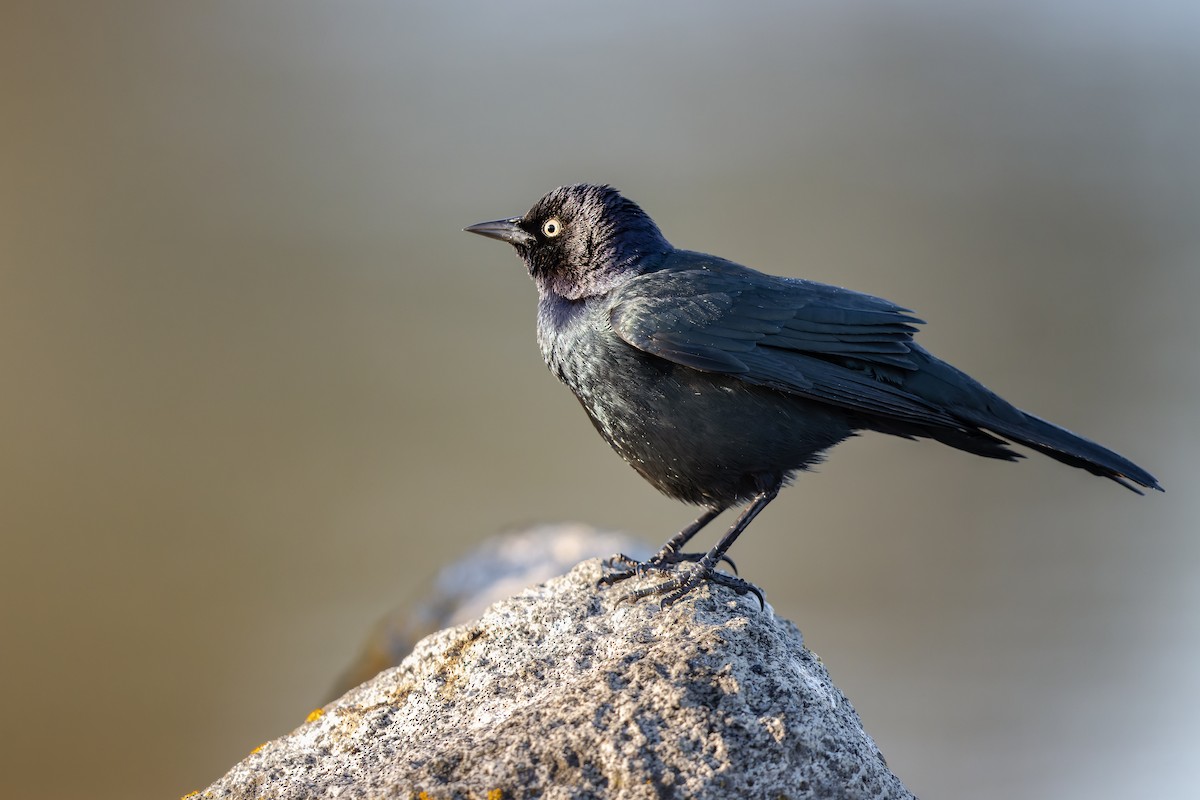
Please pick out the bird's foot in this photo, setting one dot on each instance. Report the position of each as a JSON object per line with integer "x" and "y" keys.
{"x": 697, "y": 569}
{"x": 665, "y": 560}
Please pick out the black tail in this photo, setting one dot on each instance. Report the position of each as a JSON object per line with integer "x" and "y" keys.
{"x": 983, "y": 411}
{"x": 1062, "y": 445}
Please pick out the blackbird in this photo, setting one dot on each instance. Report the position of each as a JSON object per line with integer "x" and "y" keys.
{"x": 718, "y": 383}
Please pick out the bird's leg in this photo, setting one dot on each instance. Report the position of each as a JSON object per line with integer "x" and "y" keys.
{"x": 705, "y": 569}
{"x": 671, "y": 551}
{"x": 669, "y": 554}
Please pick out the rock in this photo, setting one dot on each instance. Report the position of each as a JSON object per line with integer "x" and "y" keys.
{"x": 562, "y": 692}
{"x": 499, "y": 567}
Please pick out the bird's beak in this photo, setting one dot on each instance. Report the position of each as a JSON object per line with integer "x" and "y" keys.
{"x": 506, "y": 230}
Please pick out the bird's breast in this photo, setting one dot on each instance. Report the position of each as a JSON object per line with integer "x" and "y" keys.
{"x": 697, "y": 436}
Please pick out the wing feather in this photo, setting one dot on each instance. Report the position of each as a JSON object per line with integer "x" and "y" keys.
{"x": 811, "y": 339}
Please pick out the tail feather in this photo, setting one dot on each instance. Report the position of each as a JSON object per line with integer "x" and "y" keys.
{"x": 982, "y": 410}
{"x": 1062, "y": 445}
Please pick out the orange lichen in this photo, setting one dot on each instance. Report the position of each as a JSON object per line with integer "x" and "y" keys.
{"x": 315, "y": 715}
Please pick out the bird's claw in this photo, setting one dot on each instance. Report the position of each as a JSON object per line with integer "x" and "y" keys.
{"x": 682, "y": 581}
{"x": 663, "y": 561}
{"x": 622, "y": 560}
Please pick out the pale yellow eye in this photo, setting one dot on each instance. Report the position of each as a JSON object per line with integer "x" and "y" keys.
{"x": 551, "y": 228}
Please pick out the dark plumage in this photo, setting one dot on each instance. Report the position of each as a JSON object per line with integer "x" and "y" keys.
{"x": 717, "y": 383}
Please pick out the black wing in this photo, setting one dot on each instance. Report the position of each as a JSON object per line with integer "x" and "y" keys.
{"x": 814, "y": 340}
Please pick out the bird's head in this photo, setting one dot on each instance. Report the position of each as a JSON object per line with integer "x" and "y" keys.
{"x": 580, "y": 240}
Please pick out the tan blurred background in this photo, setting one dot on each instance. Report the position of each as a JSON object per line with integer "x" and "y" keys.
{"x": 257, "y": 385}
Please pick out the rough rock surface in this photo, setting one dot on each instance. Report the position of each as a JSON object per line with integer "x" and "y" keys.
{"x": 499, "y": 567}
{"x": 562, "y": 692}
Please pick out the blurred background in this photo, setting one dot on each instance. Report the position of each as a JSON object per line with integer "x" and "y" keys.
{"x": 257, "y": 386}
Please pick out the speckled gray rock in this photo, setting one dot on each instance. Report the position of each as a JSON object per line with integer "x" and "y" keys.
{"x": 561, "y": 692}
{"x": 498, "y": 567}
